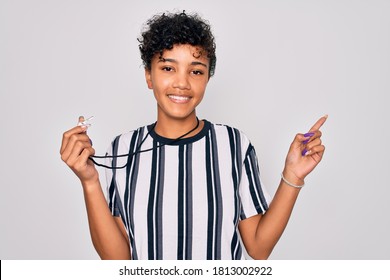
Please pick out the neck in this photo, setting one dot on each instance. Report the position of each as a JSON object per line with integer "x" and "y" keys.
{"x": 174, "y": 128}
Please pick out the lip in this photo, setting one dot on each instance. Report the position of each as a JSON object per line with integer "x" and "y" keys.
{"x": 179, "y": 99}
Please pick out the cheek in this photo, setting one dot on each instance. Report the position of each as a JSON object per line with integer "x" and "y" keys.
{"x": 201, "y": 88}
{"x": 161, "y": 83}
{"x": 200, "y": 93}
{"x": 157, "y": 85}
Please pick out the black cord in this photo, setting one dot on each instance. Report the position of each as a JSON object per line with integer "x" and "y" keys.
{"x": 139, "y": 146}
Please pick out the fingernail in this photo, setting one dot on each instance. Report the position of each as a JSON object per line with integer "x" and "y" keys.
{"x": 309, "y": 134}
{"x": 304, "y": 152}
{"x": 90, "y": 141}
{"x": 306, "y": 141}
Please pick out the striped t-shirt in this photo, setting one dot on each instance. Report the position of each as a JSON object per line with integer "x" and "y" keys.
{"x": 184, "y": 200}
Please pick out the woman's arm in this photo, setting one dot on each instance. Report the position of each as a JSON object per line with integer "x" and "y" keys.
{"x": 260, "y": 233}
{"x": 108, "y": 234}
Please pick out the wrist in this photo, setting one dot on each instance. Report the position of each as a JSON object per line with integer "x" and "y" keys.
{"x": 90, "y": 185}
{"x": 291, "y": 179}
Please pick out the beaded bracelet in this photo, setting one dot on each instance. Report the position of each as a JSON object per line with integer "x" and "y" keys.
{"x": 291, "y": 184}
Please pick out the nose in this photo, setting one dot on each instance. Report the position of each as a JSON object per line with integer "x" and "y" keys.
{"x": 181, "y": 81}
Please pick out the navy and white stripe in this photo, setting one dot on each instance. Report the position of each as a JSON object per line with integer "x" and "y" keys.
{"x": 185, "y": 200}
{"x": 214, "y": 198}
{"x": 235, "y": 152}
{"x": 252, "y": 171}
{"x": 184, "y": 207}
{"x": 154, "y": 211}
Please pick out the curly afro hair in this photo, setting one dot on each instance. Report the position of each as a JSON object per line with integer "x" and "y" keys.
{"x": 164, "y": 31}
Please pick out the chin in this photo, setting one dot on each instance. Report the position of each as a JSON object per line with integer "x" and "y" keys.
{"x": 181, "y": 116}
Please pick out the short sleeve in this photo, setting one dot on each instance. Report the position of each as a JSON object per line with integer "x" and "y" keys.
{"x": 111, "y": 188}
{"x": 254, "y": 198}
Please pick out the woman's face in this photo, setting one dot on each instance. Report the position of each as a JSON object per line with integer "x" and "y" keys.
{"x": 178, "y": 79}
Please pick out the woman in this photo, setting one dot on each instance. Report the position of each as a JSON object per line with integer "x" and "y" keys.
{"x": 184, "y": 188}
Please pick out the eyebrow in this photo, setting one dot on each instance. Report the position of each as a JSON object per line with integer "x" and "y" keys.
{"x": 175, "y": 61}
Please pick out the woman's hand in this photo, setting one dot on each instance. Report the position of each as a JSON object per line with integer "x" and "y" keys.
{"x": 305, "y": 152}
{"x": 76, "y": 148}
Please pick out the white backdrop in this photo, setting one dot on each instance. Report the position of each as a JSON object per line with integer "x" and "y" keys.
{"x": 280, "y": 66}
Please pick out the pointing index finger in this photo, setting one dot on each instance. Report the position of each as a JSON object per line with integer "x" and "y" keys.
{"x": 319, "y": 123}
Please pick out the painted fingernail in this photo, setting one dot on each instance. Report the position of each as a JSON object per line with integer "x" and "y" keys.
{"x": 90, "y": 141}
{"x": 304, "y": 152}
{"x": 306, "y": 141}
{"x": 309, "y": 134}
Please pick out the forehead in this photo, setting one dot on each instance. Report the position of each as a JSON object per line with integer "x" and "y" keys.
{"x": 183, "y": 52}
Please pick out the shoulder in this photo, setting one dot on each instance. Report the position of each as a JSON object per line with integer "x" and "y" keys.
{"x": 235, "y": 136}
{"x": 126, "y": 138}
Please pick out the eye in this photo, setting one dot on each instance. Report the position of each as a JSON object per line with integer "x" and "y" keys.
{"x": 197, "y": 72}
{"x": 167, "y": 68}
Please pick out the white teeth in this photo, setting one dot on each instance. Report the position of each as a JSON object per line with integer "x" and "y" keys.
{"x": 180, "y": 98}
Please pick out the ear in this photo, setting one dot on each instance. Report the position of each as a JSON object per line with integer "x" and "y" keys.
{"x": 148, "y": 77}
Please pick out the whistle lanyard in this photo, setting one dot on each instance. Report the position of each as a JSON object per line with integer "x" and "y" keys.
{"x": 137, "y": 150}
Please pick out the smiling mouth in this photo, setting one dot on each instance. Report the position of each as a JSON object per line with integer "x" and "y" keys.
{"x": 179, "y": 98}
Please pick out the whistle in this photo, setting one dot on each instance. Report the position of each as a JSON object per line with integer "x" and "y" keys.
{"x": 86, "y": 122}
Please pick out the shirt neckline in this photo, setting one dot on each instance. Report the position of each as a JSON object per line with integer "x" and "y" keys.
{"x": 169, "y": 141}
